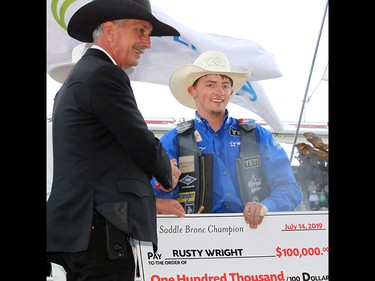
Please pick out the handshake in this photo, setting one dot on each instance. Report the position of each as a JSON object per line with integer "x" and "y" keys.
{"x": 175, "y": 177}
{"x": 168, "y": 206}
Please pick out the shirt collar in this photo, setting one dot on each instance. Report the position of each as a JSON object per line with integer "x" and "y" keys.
{"x": 100, "y": 48}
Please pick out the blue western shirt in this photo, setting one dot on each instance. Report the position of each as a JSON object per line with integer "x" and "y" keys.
{"x": 225, "y": 146}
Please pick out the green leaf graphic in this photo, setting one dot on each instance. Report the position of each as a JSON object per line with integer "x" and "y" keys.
{"x": 60, "y": 15}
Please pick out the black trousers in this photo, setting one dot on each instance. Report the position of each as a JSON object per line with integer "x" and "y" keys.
{"x": 93, "y": 264}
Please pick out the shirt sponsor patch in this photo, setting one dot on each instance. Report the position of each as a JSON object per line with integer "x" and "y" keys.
{"x": 250, "y": 162}
{"x": 186, "y": 164}
{"x": 234, "y": 132}
{"x": 187, "y": 180}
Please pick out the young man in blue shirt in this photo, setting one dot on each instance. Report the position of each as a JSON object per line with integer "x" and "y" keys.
{"x": 227, "y": 165}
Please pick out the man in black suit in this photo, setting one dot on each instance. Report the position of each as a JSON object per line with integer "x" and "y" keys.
{"x": 103, "y": 153}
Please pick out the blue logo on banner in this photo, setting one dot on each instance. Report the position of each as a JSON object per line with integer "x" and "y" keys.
{"x": 178, "y": 40}
{"x": 248, "y": 90}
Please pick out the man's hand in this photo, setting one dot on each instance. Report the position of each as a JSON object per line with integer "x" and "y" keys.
{"x": 175, "y": 177}
{"x": 176, "y": 173}
{"x": 167, "y": 206}
{"x": 254, "y": 214}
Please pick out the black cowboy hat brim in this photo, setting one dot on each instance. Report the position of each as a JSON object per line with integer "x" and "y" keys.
{"x": 88, "y": 17}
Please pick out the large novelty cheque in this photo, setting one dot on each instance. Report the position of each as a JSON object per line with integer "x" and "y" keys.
{"x": 210, "y": 247}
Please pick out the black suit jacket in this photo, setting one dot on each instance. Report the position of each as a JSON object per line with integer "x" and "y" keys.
{"x": 104, "y": 156}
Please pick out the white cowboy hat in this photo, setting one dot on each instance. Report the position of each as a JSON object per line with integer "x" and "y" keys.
{"x": 210, "y": 62}
{"x": 61, "y": 71}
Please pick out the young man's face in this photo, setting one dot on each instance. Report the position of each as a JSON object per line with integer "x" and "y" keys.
{"x": 211, "y": 93}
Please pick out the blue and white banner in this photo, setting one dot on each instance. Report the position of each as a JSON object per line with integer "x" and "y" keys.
{"x": 168, "y": 53}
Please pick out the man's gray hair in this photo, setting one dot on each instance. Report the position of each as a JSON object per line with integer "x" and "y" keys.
{"x": 97, "y": 31}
